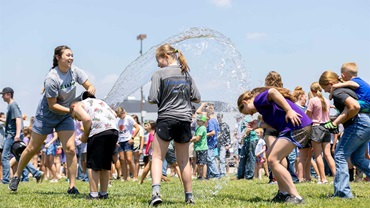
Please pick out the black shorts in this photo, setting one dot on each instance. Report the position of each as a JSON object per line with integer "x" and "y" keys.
{"x": 170, "y": 156}
{"x": 168, "y": 129}
{"x": 320, "y": 134}
{"x": 100, "y": 148}
{"x": 271, "y": 132}
{"x": 146, "y": 159}
{"x": 201, "y": 157}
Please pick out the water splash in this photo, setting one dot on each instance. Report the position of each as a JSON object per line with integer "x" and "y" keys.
{"x": 216, "y": 67}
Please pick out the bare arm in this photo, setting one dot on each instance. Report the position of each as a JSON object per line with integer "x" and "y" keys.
{"x": 54, "y": 106}
{"x": 18, "y": 126}
{"x": 89, "y": 87}
{"x": 53, "y": 140}
{"x": 200, "y": 109}
{"x": 277, "y": 97}
{"x": 195, "y": 138}
{"x": 83, "y": 116}
{"x": 350, "y": 84}
{"x": 351, "y": 110}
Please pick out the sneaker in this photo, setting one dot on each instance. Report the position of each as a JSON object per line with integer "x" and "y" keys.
{"x": 105, "y": 196}
{"x": 322, "y": 182}
{"x": 155, "y": 200}
{"x": 40, "y": 178}
{"x": 54, "y": 181}
{"x": 73, "y": 190}
{"x": 280, "y": 197}
{"x": 294, "y": 200}
{"x": 190, "y": 201}
{"x": 13, "y": 185}
{"x": 89, "y": 197}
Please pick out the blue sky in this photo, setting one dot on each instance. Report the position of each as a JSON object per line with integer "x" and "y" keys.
{"x": 299, "y": 39}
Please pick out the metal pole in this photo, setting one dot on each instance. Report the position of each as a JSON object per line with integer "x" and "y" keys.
{"x": 141, "y": 37}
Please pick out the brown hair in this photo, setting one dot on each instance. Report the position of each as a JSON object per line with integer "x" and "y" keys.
{"x": 58, "y": 51}
{"x": 253, "y": 93}
{"x": 167, "y": 49}
{"x": 316, "y": 88}
{"x": 298, "y": 91}
{"x": 327, "y": 77}
{"x": 350, "y": 68}
{"x": 136, "y": 118}
{"x": 273, "y": 79}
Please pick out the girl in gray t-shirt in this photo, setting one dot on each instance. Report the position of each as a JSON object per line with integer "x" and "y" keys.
{"x": 53, "y": 112}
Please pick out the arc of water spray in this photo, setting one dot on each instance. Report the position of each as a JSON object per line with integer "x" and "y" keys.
{"x": 139, "y": 72}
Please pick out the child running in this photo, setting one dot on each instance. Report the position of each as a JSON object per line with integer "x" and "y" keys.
{"x": 294, "y": 127}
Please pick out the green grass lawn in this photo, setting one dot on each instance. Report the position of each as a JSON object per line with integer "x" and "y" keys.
{"x": 213, "y": 193}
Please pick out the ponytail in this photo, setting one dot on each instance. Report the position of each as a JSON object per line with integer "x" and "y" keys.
{"x": 167, "y": 49}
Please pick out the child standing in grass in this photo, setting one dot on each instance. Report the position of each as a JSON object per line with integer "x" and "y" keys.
{"x": 200, "y": 146}
{"x": 150, "y": 127}
{"x": 260, "y": 154}
{"x": 293, "y": 125}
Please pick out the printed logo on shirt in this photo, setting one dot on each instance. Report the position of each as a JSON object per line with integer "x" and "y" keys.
{"x": 71, "y": 84}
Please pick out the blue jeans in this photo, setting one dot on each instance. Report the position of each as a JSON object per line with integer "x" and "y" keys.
{"x": 5, "y": 159}
{"x": 222, "y": 159}
{"x": 247, "y": 159}
{"x": 164, "y": 167}
{"x": 212, "y": 169}
{"x": 291, "y": 160}
{"x": 353, "y": 145}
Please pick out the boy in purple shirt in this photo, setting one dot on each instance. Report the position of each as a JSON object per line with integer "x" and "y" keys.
{"x": 294, "y": 127}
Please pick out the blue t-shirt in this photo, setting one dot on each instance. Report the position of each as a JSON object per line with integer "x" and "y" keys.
{"x": 12, "y": 113}
{"x": 363, "y": 91}
{"x": 212, "y": 126}
{"x": 274, "y": 115}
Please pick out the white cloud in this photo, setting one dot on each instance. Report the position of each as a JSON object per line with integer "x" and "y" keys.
{"x": 256, "y": 35}
{"x": 221, "y": 3}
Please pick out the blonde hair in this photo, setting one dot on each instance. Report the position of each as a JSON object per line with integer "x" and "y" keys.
{"x": 167, "y": 49}
{"x": 120, "y": 110}
{"x": 316, "y": 88}
{"x": 350, "y": 68}
{"x": 273, "y": 79}
{"x": 253, "y": 93}
{"x": 298, "y": 91}
{"x": 329, "y": 77}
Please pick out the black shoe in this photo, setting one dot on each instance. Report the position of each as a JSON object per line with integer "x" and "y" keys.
{"x": 40, "y": 178}
{"x": 190, "y": 201}
{"x": 294, "y": 200}
{"x": 280, "y": 197}
{"x": 89, "y": 197}
{"x": 155, "y": 200}
{"x": 13, "y": 185}
{"x": 73, "y": 190}
{"x": 105, "y": 196}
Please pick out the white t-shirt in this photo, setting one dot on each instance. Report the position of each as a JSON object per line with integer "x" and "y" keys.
{"x": 125, "y": 127}
{"x": 259, "y": 146}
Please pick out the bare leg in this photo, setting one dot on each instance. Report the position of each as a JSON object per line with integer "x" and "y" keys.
{"x": 68, "y": 142}
{"x": 182, "y": 155}
{"x": 104, "y": 179}
{"x": 93, "y": 179}
{"x": 329, "y": 159}
{"x": 159, "y": 151}
{"x": 317, "y": 152}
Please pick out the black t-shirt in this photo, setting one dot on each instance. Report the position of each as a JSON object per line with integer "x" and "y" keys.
{"x": 340, "y": 95}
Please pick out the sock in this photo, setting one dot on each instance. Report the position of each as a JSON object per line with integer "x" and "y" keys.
{"x": 188, "y": 195}
{"x": 156, "y": 189}
{"x": 94, "y": 194}
{"x": 103, "y": 193}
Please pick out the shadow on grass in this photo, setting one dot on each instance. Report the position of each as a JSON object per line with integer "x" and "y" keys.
{"x": 244, "y": 199}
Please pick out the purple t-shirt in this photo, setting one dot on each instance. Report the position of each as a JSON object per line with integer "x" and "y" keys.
{"x": 274, "y": 115}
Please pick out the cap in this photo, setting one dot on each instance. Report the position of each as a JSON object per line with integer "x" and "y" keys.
{"x": 7, "y": 90}
{"x": 201, "y": 117}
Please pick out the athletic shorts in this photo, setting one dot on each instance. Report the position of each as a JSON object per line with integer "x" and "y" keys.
{"x": 168, "y": 129}
{"x": 126, "y": 147}
{"x": 300, "y": 137}
{"x": 201, "y": 157}
{"x": 45, "y": 121}
{"x": 170, "y": 156}
{"x": 320, "y": 134}
{"x": 100, "y": 148}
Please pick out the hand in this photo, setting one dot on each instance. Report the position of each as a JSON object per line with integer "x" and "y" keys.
{"x": 253, "y": 124}
{"x": 91, "y": 90}
{"x": 131, "y": 141}
{"x": 47, "y": 145}
{"x": 140, "y": 151}
{"x": 331, "y": 127}
{"x": 294, "y": 117}
{"x": 17, "y": 138}
{"x": 83, "y": 138}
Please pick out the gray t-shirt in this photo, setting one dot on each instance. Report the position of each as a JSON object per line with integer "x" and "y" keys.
{"x": 173, "y": 93}
{"x": 12, "y": 113}
{"x": 339, "y": 96}
{"x": 62, "y": 86}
